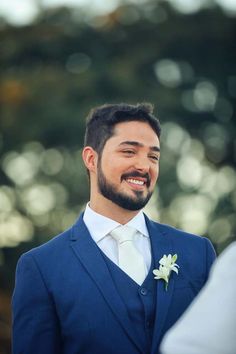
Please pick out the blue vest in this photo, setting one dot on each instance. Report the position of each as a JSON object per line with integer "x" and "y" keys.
{"x": 140, "y": 301}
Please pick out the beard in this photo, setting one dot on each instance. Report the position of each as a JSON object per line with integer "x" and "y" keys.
{"x": 109, "y": 191}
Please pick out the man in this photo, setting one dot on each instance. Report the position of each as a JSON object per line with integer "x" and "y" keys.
{"x": 92, "y": 290}
{"x": 208, "y": 326}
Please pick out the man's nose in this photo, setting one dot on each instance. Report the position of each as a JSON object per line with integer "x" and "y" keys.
{"x": 142, "y": 164}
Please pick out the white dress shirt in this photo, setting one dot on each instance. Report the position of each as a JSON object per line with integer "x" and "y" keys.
{"x": 209, "y": 324}
{"x": 100, "y": 227}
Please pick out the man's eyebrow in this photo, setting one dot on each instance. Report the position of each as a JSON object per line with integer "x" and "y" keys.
{"x": 136, "y": 143}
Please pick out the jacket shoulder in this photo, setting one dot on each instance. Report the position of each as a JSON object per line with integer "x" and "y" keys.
{"x": 54, "y": 245}
{"x": 172, "y": 231}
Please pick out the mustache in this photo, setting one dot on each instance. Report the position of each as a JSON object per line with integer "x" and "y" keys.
{"x": 137, "y": 174}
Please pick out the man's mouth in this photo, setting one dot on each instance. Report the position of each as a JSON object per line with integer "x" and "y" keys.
{"x": 137, "y": 179}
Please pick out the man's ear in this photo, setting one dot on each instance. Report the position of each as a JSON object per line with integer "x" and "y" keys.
{"x": 89, "y": 156}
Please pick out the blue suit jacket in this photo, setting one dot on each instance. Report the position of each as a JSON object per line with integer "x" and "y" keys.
{"x": 66, "y": 302}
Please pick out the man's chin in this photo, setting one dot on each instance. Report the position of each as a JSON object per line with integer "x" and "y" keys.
{"x": 132, "y": 203}
{"x": 128, "y": 199}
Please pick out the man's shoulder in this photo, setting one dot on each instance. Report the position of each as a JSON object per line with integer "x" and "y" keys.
{"x": 58, "y": 241}
{"x": 51, "y": 248}
{"x": 173, "y": 232}
{"x": 181, "y": 238}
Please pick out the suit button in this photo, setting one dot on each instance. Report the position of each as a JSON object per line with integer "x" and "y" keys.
{"x": 143, "y": 291}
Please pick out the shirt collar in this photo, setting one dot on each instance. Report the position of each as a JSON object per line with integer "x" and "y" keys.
{"x": 99, "y": 226}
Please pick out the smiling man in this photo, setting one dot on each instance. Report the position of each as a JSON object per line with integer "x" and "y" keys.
{"x": 124, "y": 174}
{"x": 91, "y": 290}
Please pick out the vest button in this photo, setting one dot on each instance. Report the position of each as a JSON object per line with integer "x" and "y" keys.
{"x": 143, "y": 291}
{"x": 148, "y": 324}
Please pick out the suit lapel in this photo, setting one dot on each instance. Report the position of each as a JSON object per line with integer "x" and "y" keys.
{"x": 90, "y": 256}
{"x": 161, "y": 245}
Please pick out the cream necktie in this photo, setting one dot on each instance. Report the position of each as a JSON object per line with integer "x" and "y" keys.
{"x": 130, "y": 259}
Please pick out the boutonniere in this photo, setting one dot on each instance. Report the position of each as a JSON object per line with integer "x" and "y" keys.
{"x": 167, "y": 264}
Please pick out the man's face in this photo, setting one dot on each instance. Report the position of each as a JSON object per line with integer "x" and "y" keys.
{"x": 128, "y": 167}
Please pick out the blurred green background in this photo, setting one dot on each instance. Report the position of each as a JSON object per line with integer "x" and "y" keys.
{"x": 61, "y": 61}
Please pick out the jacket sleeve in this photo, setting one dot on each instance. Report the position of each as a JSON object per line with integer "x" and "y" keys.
{"x": 35, "y": 323}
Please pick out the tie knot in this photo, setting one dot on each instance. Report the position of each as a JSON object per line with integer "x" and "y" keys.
{"x": 123, "y": 233}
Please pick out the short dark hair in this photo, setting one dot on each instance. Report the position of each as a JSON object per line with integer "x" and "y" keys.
{"x": 101, "y": 121}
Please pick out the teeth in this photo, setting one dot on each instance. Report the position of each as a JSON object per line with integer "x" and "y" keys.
{"x": 135, "y": 181}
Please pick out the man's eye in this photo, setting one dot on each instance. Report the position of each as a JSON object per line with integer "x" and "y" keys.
{"x": 154, "y": 157}
{"x": 129, "y": 152}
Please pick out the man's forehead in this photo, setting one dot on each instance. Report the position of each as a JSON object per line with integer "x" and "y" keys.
{"x": 137, "y": 126}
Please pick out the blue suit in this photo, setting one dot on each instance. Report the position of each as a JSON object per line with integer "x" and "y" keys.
{"x": 65, "y": 300}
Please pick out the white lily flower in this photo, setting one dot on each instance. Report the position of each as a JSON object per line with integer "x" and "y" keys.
{"x": 167, "y": 265}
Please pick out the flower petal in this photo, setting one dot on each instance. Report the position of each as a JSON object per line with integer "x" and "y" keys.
{"x": 162, "y": 261}
{"x": 175, "y": 270}
{"x": 174, "y": 258}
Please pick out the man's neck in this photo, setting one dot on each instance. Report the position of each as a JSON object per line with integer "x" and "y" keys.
{"x": 113, "y": 211}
